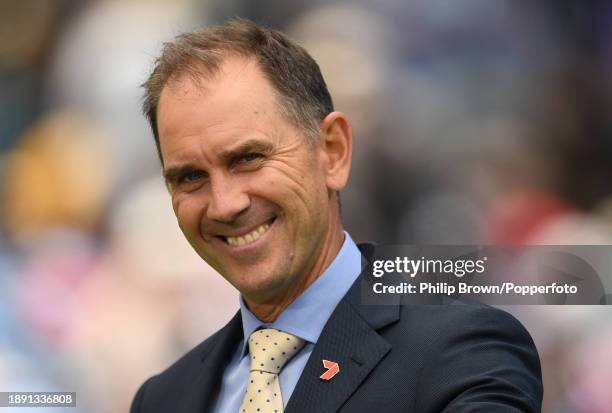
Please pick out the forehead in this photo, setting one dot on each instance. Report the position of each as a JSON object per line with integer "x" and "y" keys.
{"x": 238, "y": 93}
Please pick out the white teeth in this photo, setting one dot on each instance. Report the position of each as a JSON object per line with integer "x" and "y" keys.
{"x": 250, "y": 237}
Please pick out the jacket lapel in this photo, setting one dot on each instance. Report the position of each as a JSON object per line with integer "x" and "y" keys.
{"x": 349, "y": 338}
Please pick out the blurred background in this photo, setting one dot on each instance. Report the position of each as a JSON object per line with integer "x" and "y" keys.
{"x": 476, "y": 122}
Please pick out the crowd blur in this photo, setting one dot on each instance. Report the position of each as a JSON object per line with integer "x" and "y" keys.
{"x": 475, "y": 121}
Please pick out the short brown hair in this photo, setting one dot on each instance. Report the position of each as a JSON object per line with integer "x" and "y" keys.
{"x": 294, "y": 74}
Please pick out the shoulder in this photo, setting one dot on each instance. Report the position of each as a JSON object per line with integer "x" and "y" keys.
{"x": 187, "y": 362}
{"x": 467, "y": 331}
{"x": 173, "y": 381}
{"x": 472, "y": 355}
{"x": 433, "y": 331}
{"x": 437, "y": 321}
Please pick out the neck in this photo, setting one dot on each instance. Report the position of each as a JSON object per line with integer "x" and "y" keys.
{"x": 269, "y": 311}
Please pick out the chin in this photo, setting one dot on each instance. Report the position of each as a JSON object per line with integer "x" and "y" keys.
{"x": 261, "y": 290}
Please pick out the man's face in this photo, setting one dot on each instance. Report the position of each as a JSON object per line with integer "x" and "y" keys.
{"x": 249, "y": 192}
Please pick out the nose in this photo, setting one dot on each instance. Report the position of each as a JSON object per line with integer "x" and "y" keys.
{"x": 227, "y": 200}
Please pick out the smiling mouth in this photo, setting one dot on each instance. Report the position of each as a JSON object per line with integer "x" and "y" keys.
{"x": 249, "y": 237}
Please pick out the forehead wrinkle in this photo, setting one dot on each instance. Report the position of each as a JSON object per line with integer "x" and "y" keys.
{"x": 237, "y": 68}
{"x": 238, "y": 77}
{"x": 224, "y": 124}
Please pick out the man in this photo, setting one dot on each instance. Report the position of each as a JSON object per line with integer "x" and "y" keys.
{"x": 254, "y": 156}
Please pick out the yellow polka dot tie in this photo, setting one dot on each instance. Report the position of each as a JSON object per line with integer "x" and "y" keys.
{"x": 270, "y": 349}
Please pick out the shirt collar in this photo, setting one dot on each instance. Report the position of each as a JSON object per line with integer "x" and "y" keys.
{"x": 307, "y": 315}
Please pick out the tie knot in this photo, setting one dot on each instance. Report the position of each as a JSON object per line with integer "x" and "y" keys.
{"x": 270, "y": 349}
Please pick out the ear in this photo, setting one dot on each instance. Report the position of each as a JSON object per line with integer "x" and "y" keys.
{"x": 337, "y": 145}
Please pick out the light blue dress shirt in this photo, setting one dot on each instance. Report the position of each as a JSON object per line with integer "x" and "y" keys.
{"x": 305, "y": 318}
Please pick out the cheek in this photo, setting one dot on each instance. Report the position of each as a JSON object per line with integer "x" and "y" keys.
{"x": 175, "y": 205}
{"x": 187, "y": 213}
{"x": 298, "y": 186}
{"x": 272, "y": 186}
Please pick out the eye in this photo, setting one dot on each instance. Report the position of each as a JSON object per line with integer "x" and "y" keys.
{"x": 250, "y": 157}
{"x": 191, "y": 176}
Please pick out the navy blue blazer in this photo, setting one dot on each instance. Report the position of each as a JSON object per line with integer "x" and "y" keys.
{"x": 393, "y": 358}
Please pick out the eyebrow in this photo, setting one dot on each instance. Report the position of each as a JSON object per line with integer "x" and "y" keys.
{"x": 172, "y": 173}
{"x": 251, "y": 145}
